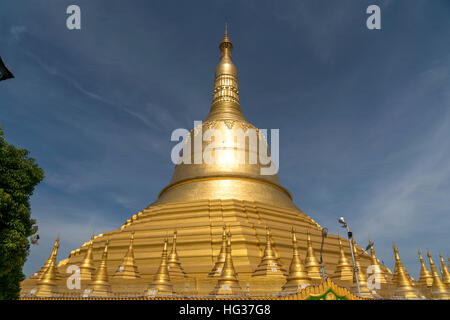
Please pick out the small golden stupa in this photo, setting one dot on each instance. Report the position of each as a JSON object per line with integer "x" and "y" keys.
{"x": 202, "y": 201}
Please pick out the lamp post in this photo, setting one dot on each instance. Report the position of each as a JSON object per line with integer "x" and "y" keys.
{"x": 350, "y": 236}
{"x": 324, "y": 235}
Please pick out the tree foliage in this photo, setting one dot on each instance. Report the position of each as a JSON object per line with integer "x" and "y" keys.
{"x": 19, "y": 174}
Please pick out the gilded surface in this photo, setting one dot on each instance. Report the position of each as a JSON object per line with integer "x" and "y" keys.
{"x": 205, "y": 261}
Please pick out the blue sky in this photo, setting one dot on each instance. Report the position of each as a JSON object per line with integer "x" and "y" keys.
{"x": 364, "y": 116}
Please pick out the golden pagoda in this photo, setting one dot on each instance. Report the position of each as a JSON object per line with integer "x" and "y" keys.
{"x": 100, "y": 286}
{"x": 128, "y": 269}
{"x": 47, "y": 284}
{"x": 38, "y": 274}
{"x": 269, "y": 265}
{"x": 438, "y": 288}
{"x": 444, "y": 272}
{"x": 199, "y": 200}
{"x": 312, "y": 266}
{"x": 425, "y": 279}
{"x": 218, "y": 266}
{"x": 173, "y": 262}
{"x": 383, "y": 276}
{"x": 228, "y": 283}
{"x": 403, "y": 287}
{"x": 344, "y": 268}
{"x": 360, "y": 275}
{"x": 161, "y": 284}
{"x": 87, "y": 266}
{"x": 298, "y": 277}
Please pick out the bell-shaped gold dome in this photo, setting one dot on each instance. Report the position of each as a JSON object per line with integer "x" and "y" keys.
{"x": 237, "y": 171}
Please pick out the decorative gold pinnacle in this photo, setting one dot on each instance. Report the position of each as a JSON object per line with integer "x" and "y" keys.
{"x": 173, "y": 262}
{"x": 269, "y": 265}
{"x": 218, "y": 266}
{"x": 100, "y": 286}
{"x": 312, "y": 266}
{"x": 362, "y": 279}
{"x": 344, "y": 269}
{"x": 426, "y": 279}
{"x": 378, "y": 269}
{"x": 40, "y": 272}
{"x": 298, "y": 277}
{"x": 438, "y": 289}
{"x": 128, "y": 268}
{"x": 403, "y": 286}
{"x": 47, "y": 281}
{"x": 228, "y": 283}
{"x": 225, "y": 103}
{"x": 198, "y": 197}
{"x": 87, "y": 267}
{"x": 161, "y": 284}
{"x": 445, "y": 273}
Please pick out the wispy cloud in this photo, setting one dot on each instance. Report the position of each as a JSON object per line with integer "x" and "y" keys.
{"x": 74, "y": 225}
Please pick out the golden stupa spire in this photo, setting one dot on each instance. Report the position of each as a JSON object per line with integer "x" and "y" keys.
{"x": 438, "y": 289}
{"x": 38, "y": 274}
{"x": 226, "y": 174}
{"x": 218, "y": 266}
{"x": 311, "y": 264}
{"x": 376, "y": 263}
{"x": 47, "y": 281}
{"x": 87, "y": 266}
{"x": 426, "y": 279}
{"x": 298, "y": 277}
{"x": 228, "y": 283}
{"x": 128, "y": 268}
{"x": 269, "y": 265}
{"x": 173, "y": 262}
{"x": 161, "y": 281}
{"x": 344, "y": 268}
{"x": 403, "y": 286}
{"x": 100, "y": 285}
{"x": 399, "y": 265}
{"x": 445, "y": 273}
{"x": 225, "y": 103}
{"x": 362, "y": 279}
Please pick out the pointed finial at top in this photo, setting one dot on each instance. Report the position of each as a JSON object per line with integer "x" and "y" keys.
{"x": 225, "y": 45}
{"x": 225, "y": 103}
{"x": 394, "y": 246}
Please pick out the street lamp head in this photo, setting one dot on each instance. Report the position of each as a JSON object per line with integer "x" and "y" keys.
{"x": 342, "y": 221}
{"x": 324, "y": 232}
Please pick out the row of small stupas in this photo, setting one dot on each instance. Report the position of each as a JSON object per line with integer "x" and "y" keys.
{"x": 171, "y": 279}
